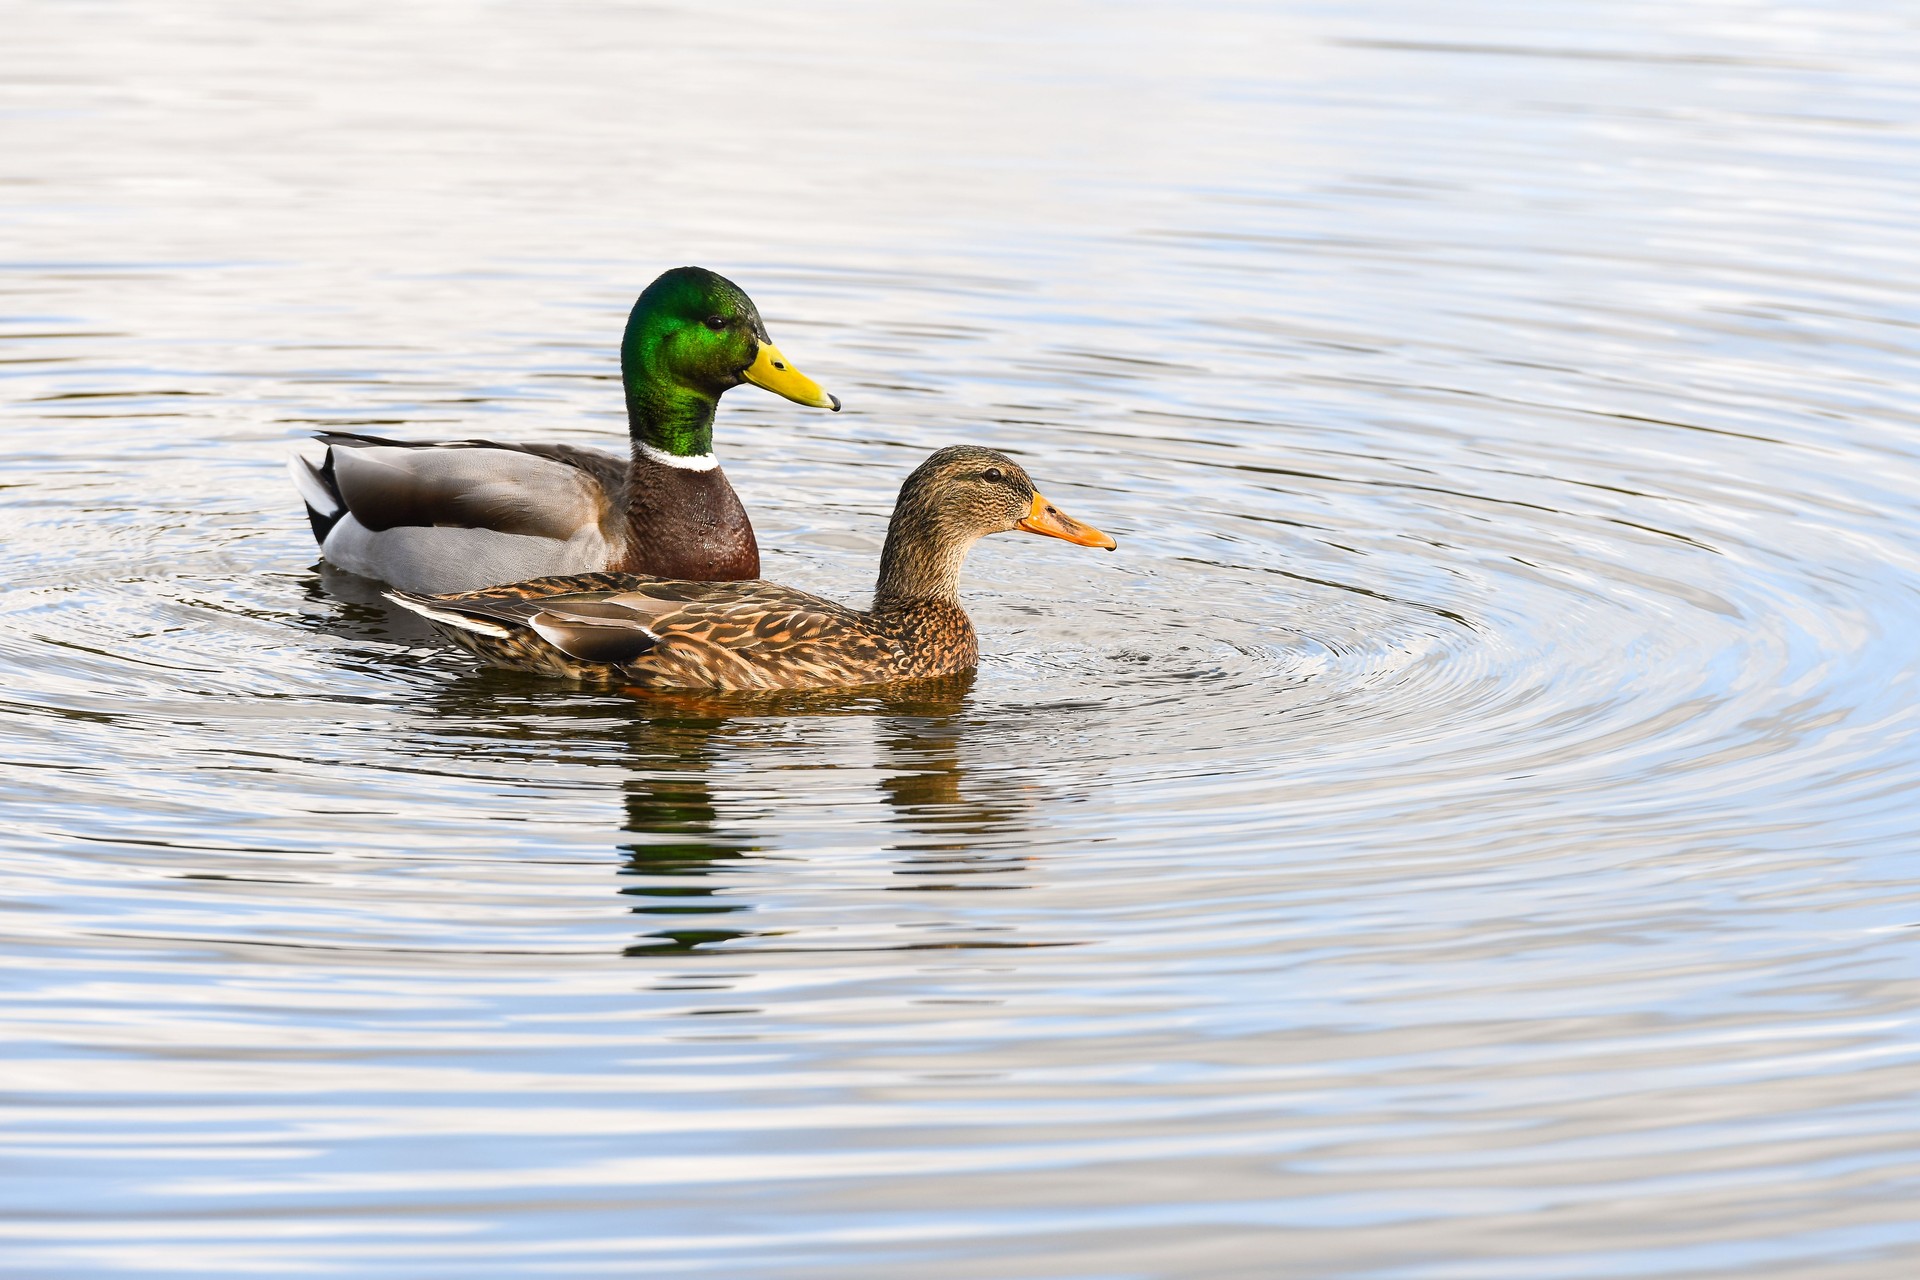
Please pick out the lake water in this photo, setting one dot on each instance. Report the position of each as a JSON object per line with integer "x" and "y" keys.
{"x": 1467, "y": 830}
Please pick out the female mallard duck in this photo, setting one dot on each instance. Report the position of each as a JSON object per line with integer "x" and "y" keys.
{"x": 666, "y": 634}
{"x": 466, "y": 514}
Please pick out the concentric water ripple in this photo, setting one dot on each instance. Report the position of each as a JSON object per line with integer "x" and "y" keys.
{"x": 1464, "y": 831}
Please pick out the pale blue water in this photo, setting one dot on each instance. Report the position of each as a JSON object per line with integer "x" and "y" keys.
{"x": 1465, "y": 831}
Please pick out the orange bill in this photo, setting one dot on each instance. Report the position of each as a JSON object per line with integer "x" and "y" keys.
{"x": 1046, "y": 518}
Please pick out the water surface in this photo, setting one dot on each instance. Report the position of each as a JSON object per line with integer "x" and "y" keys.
{"x": 1465, "y": 831}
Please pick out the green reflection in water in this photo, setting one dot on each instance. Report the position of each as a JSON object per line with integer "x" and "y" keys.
{"x": 681, "y": 838}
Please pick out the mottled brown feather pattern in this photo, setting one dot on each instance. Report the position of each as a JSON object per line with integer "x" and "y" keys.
{"x": 740, "y": 635}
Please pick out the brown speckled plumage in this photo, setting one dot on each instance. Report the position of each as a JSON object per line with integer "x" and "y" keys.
{"x": 673, "y": 634}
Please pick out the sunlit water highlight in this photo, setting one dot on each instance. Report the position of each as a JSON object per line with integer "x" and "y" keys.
{"x": 1465, "y": 831}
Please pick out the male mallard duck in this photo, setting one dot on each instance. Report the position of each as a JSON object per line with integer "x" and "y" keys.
{"x": 465, "y": 514}
{"x": 668, "y": 634}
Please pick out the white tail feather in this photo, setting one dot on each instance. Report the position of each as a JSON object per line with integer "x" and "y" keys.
{"x": 312, "y": 486}
{"x": 479, "y": 626}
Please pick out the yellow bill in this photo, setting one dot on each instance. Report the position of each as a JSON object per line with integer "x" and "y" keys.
{"x": 771, "y": 370}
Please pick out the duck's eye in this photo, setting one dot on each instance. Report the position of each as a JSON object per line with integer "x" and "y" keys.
{"x": 716, "y": 323}
{"x": 992, "y": 473}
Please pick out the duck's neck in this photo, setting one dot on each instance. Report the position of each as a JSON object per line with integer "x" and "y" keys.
{"x": 673, "y": 424}
{"x": 664, "y": 413}
{"x": 917, "y": 601}
{"x": 920, "y": 565}
{"x": 684, "y": 519}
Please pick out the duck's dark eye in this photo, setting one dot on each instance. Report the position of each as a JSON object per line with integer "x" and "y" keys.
{"x": 992, "y": 473}
{"x": 716, "y": 323}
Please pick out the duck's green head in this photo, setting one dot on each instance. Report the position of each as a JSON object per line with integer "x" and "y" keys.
{"x": 693, "y": 335}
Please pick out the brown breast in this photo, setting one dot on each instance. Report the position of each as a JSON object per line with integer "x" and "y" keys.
{"x": 685, "y": 524}
{"x": 935, "y": 637}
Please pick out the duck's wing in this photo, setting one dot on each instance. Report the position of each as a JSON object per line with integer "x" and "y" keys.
{"x": 462, "y": 514}
{"x": 544, "y": 491}
{"x": 724, "y": 628}
{"x": 752, "y": 635}
{"x": 591, "y": 625}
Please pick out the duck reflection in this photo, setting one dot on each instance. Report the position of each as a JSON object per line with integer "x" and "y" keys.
{"x": 681, "y": 844}
{"x": 356, "y": 608}
{"x": 684, "y": 847}
{"x": 961, "y": 826}
{"x": 685, "y": 844}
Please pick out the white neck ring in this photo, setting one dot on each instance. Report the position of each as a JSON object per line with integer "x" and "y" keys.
{"x": 698, "y": 462}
